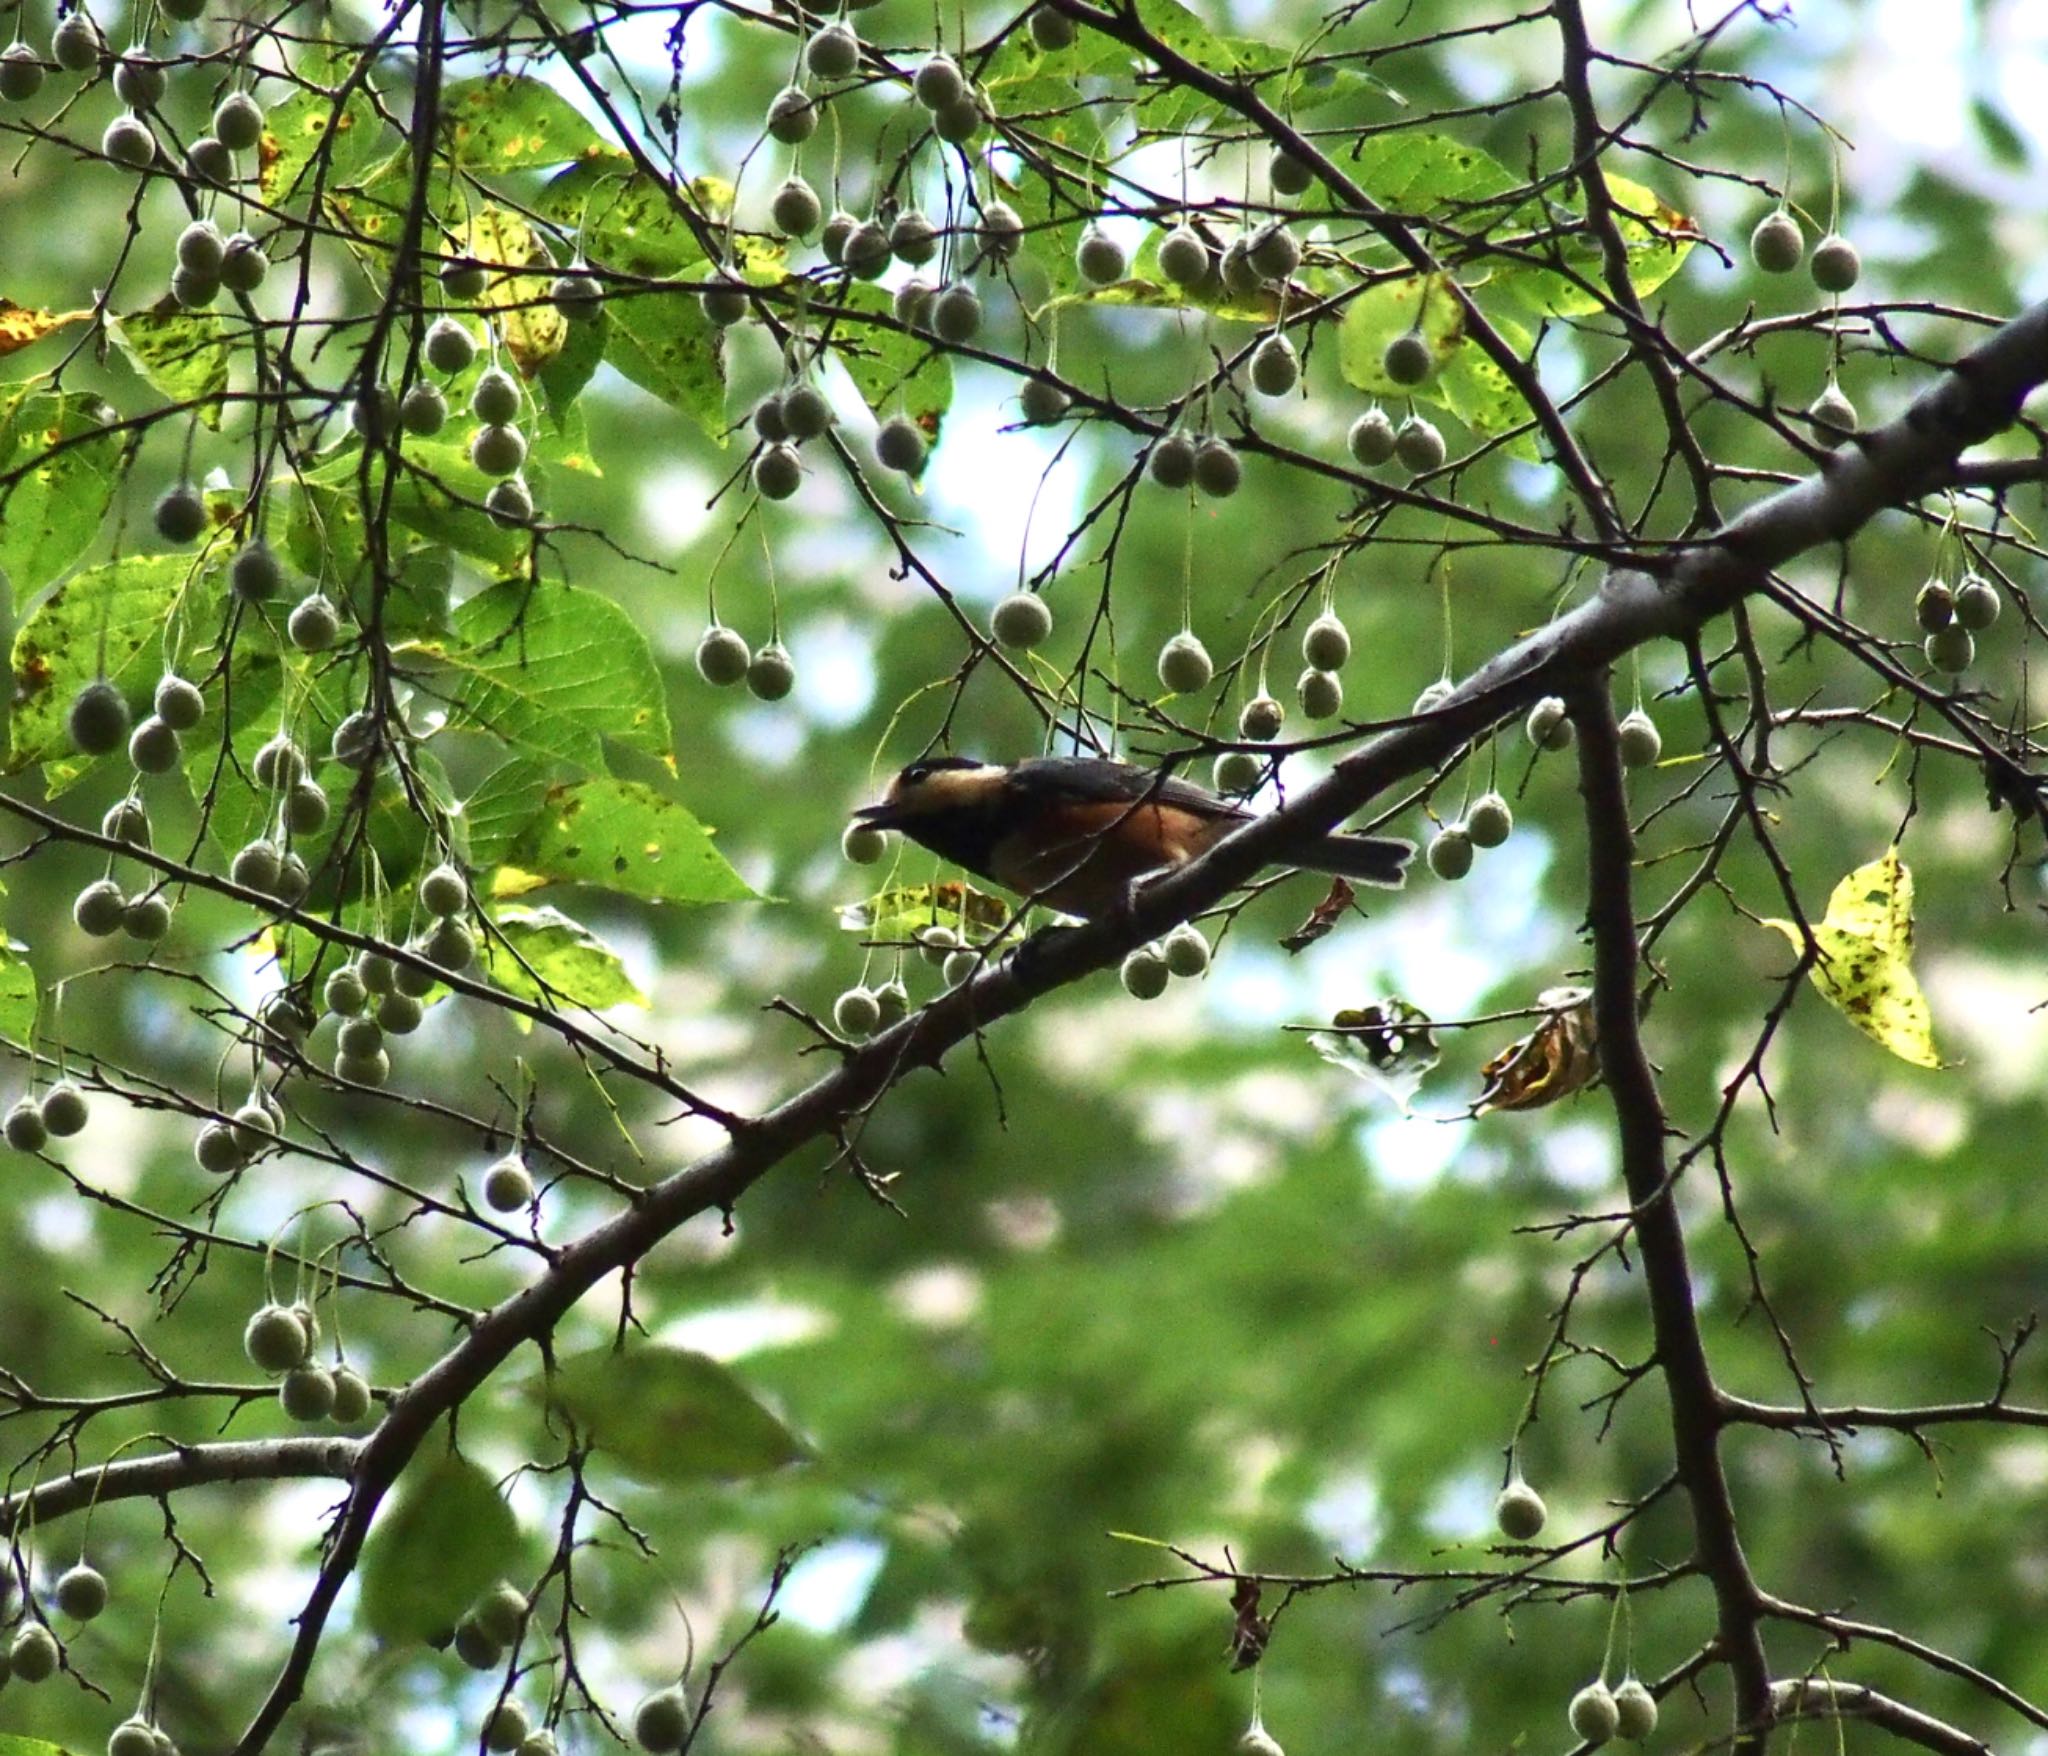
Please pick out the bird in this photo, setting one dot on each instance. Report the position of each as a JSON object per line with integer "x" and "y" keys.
{"x": 1077, "y": 832}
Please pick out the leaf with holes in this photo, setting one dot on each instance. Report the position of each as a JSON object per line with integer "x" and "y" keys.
{"x": 623, "y": 837}
{"x": 542, "y": 955}
{"x": 182, "y": 353}
{"x": 509, "y": 122}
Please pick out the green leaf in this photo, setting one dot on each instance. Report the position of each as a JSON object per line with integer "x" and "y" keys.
{"x": 664, "y": 343}
{"x": 549, "y": 959}
{"x": 668, "y": 1415}
{"x": 554, "y": 671}
{"x": 505, "y": 801}
{"x": 508, "y": 122}
{"x": 14, "y": 1744}
{"x": 1477, "y": 391}
{"x": 891, "y": 370}
{"x": 184, "y": 354}
{"x": 308, "y": 123}
{"x": 1866, "y": 949}
{"x": 443, "y": 1542}
{"x": 17, "y": 990}
{"x": 1389, "y": 308}
{"x": 624, "y": 837}
{"x": 437, "y": 493}
{"x": 562, "y": 379}
{"x": 52, "y": 512}
{"x": 1658, "y": 243}
{"x": 896, "y": 916}
{"x": 57, "y": 650}
{"x": 1434, "y": 175}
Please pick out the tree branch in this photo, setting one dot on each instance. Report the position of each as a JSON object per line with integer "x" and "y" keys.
{"x": 184, "y": 1466}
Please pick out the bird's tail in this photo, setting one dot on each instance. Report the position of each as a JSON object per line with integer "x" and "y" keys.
{"x": 1365, "y": 859}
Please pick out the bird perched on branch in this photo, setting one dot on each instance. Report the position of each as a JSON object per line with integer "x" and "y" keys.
{"x": 1076, "y": 832}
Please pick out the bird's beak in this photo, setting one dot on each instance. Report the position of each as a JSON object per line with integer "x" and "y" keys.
{"x": 882, "y": 816}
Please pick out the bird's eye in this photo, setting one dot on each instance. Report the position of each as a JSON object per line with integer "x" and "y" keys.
{"x": 917, "y": 773}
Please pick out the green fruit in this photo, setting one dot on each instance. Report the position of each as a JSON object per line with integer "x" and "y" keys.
{"x": 1218, "y": 473}
{"x": 1835, "y": 265}
{"x": 1489, "y": 822}
{"x": 351, "y": 1396}
{"x": 866, "y": 251}
{"x": 307, "y": 1393}
{"x": 894, "y": 1000}
{"x": 1275, "y": 368}
{"x": 1549, "y": 726}
{"x": 1951, "y": 649}
{"x": 498, "y": 451}
{"x": 217, "y": 1151}
{"x": 1777, "y": 243}
{"x": 1257, "y": 1741}
{"x": 21, "y": 72}
{"x": 448, "y": 346}
{"x": 24, "y": 1127}
{"x": 1261, "y": 719}
{"x": 501, "y": 1612}
{"x": 1977, "y": 603}
{"x": 1236, "y": 270}
{"x": 344, "y": 993}
{"x": 772, "y": 674}
{"x": 423, "y": 410}
{"x": 132, "y": 1737}
{"x": 935, "y": 941}
{"x": 464, "y": 278}
{"x": 1184, "y": 664}
{"x": 1185, "y": 951}
{"x": 1100, "y": 258}
{"x": 76, "y": 45}
{"x": 32, "y": 1653}
{"x": 361, "y": 1036}
{"x": 508, "y": 1188}
{"x": 244, "y": 267}
{"x": 1934, "y": 606}
{"x": 856, "y": 1014}
{"x": 1408, "y": 359}
{"x": 64, "y": 1109}
{"x": 371, "y": 1070}
{"x": 255, "y": 866}
{"x": 1184, "y": 258}
{"x": 305, "y": 808}
{"x": 1635, "y": 1711}
{"x": 724, "y": 301}
{"x": 494, "y": 399}
{"x": 1287, "y": 174}
{"x": 356, "y": 741}
{"x": 279, "y": 763}
{"x": 256, "y": 1125}
{"x": 578, "y": 295}
{"x": 140, "y": 83}
{"x": 1326, "y": 643}
{"x": 400, "y": 1014}
{"x": 1042, "y": 402}
{"x": 911, "y": 303}
{"x": 1419, "y": 446}
{"x": 507, "y": 1727}
{"x": 293, "y": 880}
{"x": 1519, "y": 1512}
{"x": 97, "y": 719}
{"x": 777, "y": 473}
{"x": 276, "y": 1340}
{"x": 1273, "y": 252}
{"x": 1238, "y": 771}
{"x": 1593, "y": 1714}
{"x": 255, "y": 574}
{"x": 1052, "y": 30}
{"x": 126, "y": 821}
{"x": 1433, "y": 696}
{"x": 147, "y": 918}
{"x": 413, "y": 980}
{"x": 201, "y": 247}
{"x": 795, "y": 208}
{"x": 899, "y": 445}
{"x": 956, "y": 314}
{"x": 479, "y": 1651}
{"x": 938, "y": 81}
{"x": 913, "y": 238}
{"x": 286, "y": 1018}
{"x": 81, "y": 1592}
{"x": 1144, "y": 974}
{"x": 834, "y": 53}
{"x": 960, "y": 966}
{"x": 238, "y": 121}
{"x": 1833, "y": 416}
{"x": 792, "y": 116}
{"x": 661, "y": 1721}
{"x": 98, "y": 909}
{"x": 722, "y": 656}
{"x": 207, "y": 161}
{"x": 1321, "y": 694}
{"x": 863, "y": 844}
{"x": 315, "y": 624}
{"x": 379, "y": 973}
{"x": 444, "y": 891}
{"x": 130, "y": 142}
{"x": 1171, "y": 461}
{"x": 958, "y": 122}
{"x": 1450, "y": 853}
{"x": 178, "y": 703}
{"x": 193, "y": 290}
{"x": 1021, "y": 621}
{"x": 806, "y": 412}
{"x": 180, "y": 514}
{"x": 509, "y": 503}
{"x": 1641, "y": 742}
{"x": 1001, "y": 231}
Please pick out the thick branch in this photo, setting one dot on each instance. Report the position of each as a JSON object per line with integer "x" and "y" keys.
{"x": 185, "y": 1466}
{"x": 1817, "y": 1698}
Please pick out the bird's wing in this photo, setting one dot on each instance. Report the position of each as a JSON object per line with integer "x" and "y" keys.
{"x": 1097, "y": 780}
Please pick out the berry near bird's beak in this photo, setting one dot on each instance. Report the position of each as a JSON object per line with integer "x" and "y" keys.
{"x": 882, "y": 816}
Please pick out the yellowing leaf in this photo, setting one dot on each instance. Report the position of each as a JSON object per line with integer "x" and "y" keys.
{"x": 21, "y": 326}
{"x": 535, "y": 332}
{"x": 1554, "y": 1060}
{"x": 1865, "y": 966}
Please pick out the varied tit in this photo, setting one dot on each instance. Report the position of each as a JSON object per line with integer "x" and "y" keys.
{"x": 1076, "y": 832}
